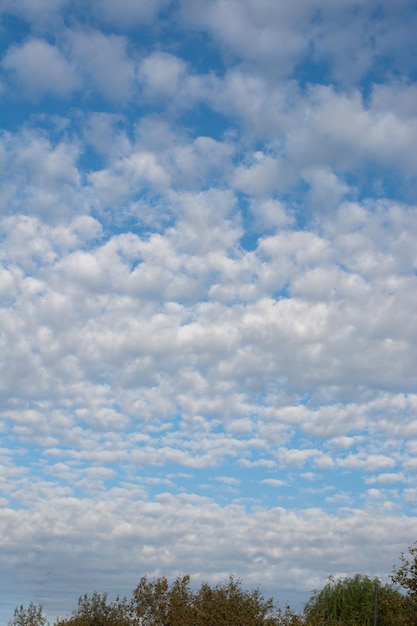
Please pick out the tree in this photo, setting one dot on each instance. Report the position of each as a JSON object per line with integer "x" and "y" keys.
{"x": 30, "y": 616}
{"x": 229, "y": 604}
{"x": 405, "y": 576}
{"x": 157, "y": 603}
{"x": 96, "y": 610}
{"x": 350, "y": 602}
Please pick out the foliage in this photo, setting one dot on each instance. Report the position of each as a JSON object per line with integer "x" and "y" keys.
{"x": 405, "y": 576}
{"x": 393, "y": 609}
{"x": 30, "y": 616}
{"x": 350, "y": 602}
{"x": 156, "y": 603}
{"x": 98, "y": 611}
{"x": 228, "y": 603}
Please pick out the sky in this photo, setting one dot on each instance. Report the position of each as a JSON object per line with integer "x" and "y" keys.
{"x": 208, "y": 291}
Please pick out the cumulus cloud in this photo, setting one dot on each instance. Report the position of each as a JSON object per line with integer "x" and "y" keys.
{"x": 104, "y": 62}
{"x": 161, "y": 74}
{"x": 41, "y": 177}
{"x": 271, "y": 27}
{"x": 283, "y": 36}
{"x": 39, "y": 68}
{"x": 42, "y": 15}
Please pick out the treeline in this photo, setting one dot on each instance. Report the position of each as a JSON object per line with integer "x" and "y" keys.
{"x": 356, "y": 601}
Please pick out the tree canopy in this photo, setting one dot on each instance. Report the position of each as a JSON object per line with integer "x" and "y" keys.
{"x": 157, "y": 603}
{"x": 96, "y": 610}
{"x": 31, "y": 616}
{"x": 351, "y": 602}
{"x": 405, "y": 576}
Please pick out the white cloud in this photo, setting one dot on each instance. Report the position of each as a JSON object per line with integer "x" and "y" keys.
{"x": 365, "y": 38}
{"x": 41, "y": 69}
{"x": 262, "y": 546}
{"x": 262, "y": 177}
{"x": 102, "y": 132}
{"x": 161, "y": 75}
{"x": 42, "y": 14}
{"x": 326, "y": 189}
{"x": 369, "y": 463}
{"x": 127, "y": 176}
{"x": 397, "y": 97}
{"x": 273, "y": 482}
{"x": 339, "y": 129}
{"x": 104, "y": 62}
{"x": 261, "y": 108}
{"x": 41, "y": 177}
{"x": 386, "y": 479}
{"x": 271, "y": 214}
{"x": 193, "y": 163}
{"x": 349, "y": 39}
{"x": 296, "y": 458}
{"x": 128, "y": 13}
{"x": 271, "y": 27}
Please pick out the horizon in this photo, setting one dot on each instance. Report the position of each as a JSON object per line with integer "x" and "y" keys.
{"x": 208, "y": 294}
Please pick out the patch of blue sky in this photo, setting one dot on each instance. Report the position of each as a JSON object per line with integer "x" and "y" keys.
{"x": 311, "y": 71}
{"x": 203, "y": 121}
{"x": 133, "y": 216}
{"x": 379, "y": 181}
{"x": 60, "y": 116}
{"x": 13, "y": 31}
{"x": 228, "y": 480}
{"x": 199, "y": 51}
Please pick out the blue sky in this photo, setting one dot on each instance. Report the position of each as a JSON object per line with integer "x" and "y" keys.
{"x": 208, "y": 293}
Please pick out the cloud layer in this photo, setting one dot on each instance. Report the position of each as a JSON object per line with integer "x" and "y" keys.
{"x": 208, "y": 294}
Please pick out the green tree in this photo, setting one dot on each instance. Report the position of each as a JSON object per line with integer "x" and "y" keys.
{"x": 96, "y": 610}
{"x": 350, "y": 602}
{"x": 30, "y": 616}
